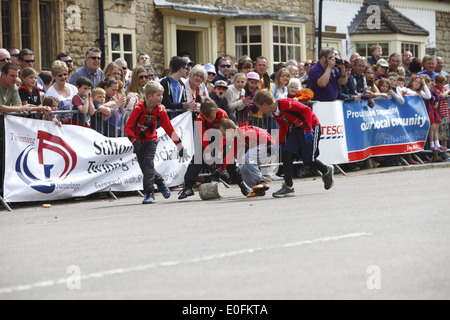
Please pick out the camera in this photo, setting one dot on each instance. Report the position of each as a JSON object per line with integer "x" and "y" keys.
{"x": 339, "y": 61}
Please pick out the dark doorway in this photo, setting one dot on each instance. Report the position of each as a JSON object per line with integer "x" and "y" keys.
{"x": 187, "y": 43}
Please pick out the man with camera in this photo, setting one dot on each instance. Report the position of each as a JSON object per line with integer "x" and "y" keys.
{"x": 326, "y": 76}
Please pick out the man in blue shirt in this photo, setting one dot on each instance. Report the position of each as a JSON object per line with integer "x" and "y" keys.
{"x": 429, "y": 65}
{"x": 174, "y": 97}
{"x": 325, "y": 77}
{"x": 91, "y": 69}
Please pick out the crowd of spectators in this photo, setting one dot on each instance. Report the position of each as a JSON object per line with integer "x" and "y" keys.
{"x": 104, "y": 98}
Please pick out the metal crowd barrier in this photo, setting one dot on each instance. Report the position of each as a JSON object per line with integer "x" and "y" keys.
{"x": 113, "y": 127}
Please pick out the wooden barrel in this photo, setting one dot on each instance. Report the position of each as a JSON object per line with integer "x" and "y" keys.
{"x": 212, "y": 190}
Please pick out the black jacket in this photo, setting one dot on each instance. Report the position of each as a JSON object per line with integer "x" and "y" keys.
{"x": 168, "y": 100}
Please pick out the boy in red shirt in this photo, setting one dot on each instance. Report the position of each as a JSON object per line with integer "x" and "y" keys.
{"x": 302, "y": 141}
{"x": 252, "y": 146}
{"x": 141, "y": 130}
{"x": 209, "y": 118}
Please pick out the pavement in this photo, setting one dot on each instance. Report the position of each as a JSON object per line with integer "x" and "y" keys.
{"x": 382, "y": 233}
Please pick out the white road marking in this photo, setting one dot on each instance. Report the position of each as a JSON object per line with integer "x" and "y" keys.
{"x": 61, "y": 281}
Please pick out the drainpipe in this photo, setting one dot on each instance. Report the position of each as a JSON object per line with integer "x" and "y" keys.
{"x": 101, "y": 40}
{"x": 319, "y": 43}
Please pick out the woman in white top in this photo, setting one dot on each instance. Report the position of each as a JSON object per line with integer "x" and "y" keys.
{"x": 61, "y": 89}
{"x": 195, "y": 85}
{"x": 279, "y": 86}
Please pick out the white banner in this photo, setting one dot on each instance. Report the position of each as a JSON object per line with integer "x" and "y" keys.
{"x": 166, "y": 162}
{"x": 333, "y": 142}
{"x": 45, "y": 162}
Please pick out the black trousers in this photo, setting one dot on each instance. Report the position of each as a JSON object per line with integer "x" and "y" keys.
{"x": 196, "y": 166}
{"x": 296, "y": 145}
{"x": 146, "y": 159}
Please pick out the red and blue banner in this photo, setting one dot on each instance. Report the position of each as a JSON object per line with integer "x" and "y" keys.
{"x": 352, "y": 131}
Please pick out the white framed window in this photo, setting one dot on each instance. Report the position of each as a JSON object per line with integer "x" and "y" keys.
{"x": 286, "y": 43}
{"x": 363, "y": 48}
{"x": 412, "y": 47}
{"x": 248, "y": 41}
{"x": 122, "y": 44}
{"x": 278, "y": 41}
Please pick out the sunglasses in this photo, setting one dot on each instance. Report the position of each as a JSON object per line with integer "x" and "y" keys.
{"x": 62, "y": 75}
{"x": 211, "y": 74}
{"x": 124, "y": 68}
{"x": 225, "y": 66}
{"x": 6, "y": 59}
{"x": 221, "y": 89}
{"x": 95, "y": 58}
{"x": 68, "y": 61}
{"x": 15, "y": 55}
{"x": 143, "y": 77}
{"x": 29, "y": 61}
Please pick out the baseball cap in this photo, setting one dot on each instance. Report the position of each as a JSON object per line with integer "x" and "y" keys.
{"x": 189, "y": 61}
{"x": 383, "y": 63}
{"x": 253, "y": 76}
{"x": 210, "y": 68}
{"x": 221, "y": 83}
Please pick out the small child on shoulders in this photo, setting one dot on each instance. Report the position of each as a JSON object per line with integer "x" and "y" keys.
{"x": 377, "y": 52}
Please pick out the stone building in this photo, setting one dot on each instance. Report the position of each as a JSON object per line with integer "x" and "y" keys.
{"x": 421, "y": 27}
{"x": 278, "y": 29}
{"x": 207, "y": 29}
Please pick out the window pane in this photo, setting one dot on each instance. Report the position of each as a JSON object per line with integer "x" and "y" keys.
{"x": 297, "y": 54}
{"x": 290, "y": 36}
{"x": 276, "y": 35}
{"x": 361, "y": 49}
{"x": 127, "y": 43}
{"x": 6, "y": 23}
{"x": 241, "y": 51}
{"x": 115, "y": 56}
{"x": 255, "y": 52}
{"x": 385, "y": 47}
{"x": 241, "y": 34}
{"x": 296, "y": 35}
{"x": 255, "y": 34}
{"x": 25, "y": 23}
{"x": 283, "y": 54}
{"x": 282, "y": 34}
{"x": 129, "y": 59}
{"x": 46, "y": 48}
{"x": 115, "y": 42}
{"x": 276, "y": 53}
{"x": 290, "y": 52}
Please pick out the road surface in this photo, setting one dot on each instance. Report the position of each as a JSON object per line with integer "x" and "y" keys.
{"x": 373, "y": 236}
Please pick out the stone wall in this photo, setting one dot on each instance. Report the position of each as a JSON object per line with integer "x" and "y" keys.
{"x": 443, "y": 37}
{"x": 142, "y": 16}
